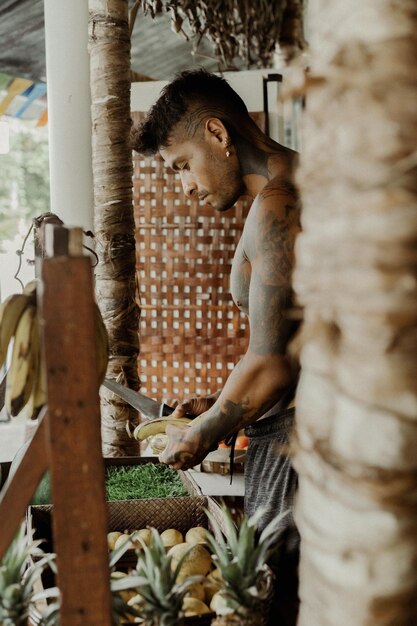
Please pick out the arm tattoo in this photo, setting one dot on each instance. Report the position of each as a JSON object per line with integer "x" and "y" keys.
{"x": 232, "y": 416}
{"x": 281, "y": 188}
{"x": 271, "y": 295}
{"x": 272, "y": 327}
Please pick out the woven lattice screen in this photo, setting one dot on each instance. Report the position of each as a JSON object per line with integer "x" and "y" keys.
{"x": 191, "y": 333}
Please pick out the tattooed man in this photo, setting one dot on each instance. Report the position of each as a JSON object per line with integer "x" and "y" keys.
{"x": 202, "y": 129}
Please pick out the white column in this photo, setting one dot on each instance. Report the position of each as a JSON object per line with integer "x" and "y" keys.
{"x": 69, "y": 113}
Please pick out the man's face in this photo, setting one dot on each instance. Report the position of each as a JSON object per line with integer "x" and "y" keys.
{"x": 205, "y": 170}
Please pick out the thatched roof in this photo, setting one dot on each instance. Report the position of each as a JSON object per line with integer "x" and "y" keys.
{"x": 156, "y": 50}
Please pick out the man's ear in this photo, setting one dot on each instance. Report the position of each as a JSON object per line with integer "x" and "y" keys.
{"x": 215, "y": 130}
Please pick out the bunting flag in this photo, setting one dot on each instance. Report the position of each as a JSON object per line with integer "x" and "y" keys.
{"x": 43, "y": 120}
{"x": 16, "y": 87}
{"x": 5, "y": 80}
{"x": 34, "y": 92}
{"x": 23, "y": 99}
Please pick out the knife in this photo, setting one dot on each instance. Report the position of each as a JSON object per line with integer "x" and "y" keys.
{"x": 152, "y": 409}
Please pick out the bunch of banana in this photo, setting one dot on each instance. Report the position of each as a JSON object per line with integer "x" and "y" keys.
{"x": 26, "y": 385}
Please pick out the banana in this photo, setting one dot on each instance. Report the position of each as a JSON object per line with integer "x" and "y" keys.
{"x": 11, "y": 310}
{"x": 158, "y": 443}
{"x": 39, "y": 394}
{"x": 155, "y": 427}
{"x": 22, "y": 372}
{"x": 30, "y": 288}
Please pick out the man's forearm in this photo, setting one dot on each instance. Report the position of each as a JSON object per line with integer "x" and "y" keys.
{"x": 253, "y": 387}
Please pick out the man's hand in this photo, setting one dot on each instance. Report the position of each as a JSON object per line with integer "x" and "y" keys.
{"x": 185, "y": 447}
{"x": 194, "y": 406}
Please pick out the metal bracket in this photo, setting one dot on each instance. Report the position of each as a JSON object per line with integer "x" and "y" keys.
{"x": 270, "y": 78}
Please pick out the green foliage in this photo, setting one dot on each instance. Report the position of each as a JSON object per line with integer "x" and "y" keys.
{"x": 43, "y": 493}
{"x": 155, "y": 580}
{"x": 24, "y": 178}
{"x": 242, "y": 555}
{"x": 150, "y": 480}
{"x": 17, "y": 578}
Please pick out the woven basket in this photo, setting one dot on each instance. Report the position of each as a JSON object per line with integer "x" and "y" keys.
{"x": 181, "y": 513}
{"x": 191, "y": 333}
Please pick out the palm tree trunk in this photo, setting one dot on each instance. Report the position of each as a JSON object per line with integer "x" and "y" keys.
{"x": 109, "y": 43}
{"x": 357, "y": 278}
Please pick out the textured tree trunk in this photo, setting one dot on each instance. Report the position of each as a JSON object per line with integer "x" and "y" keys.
{"x": 109, "y": 44}
{"x": 357, "y": 277}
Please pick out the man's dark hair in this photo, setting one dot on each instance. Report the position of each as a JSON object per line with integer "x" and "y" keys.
{"x": 192, "y": 96}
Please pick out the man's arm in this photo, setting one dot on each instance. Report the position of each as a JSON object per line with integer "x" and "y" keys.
{"x": 263, "y": 373}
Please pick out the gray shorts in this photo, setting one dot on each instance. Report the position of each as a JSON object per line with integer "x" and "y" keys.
{"x": 271, "y": 483}
{"x": 270, "y": 480}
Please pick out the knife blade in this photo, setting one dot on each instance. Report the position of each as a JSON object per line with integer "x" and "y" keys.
{"x": 152, "y": 409}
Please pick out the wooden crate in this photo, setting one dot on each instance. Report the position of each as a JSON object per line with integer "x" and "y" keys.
{"x": 182, "y": 513}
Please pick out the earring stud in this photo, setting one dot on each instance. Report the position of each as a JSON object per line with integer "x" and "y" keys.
{"x": 227, "y": 143}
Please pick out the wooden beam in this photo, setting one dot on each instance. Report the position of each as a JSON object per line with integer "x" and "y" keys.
{"x": 77, "y": 466}
{"x": 18, "y": 490}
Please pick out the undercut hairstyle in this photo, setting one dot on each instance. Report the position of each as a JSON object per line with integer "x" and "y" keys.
{"x": 192, "y": 97}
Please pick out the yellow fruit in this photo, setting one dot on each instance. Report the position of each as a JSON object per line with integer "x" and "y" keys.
{"x": 218, "y": 602}
{"x": 121, "y": 540}
{"x": 212, "y": 585}
{"x": 112, "y": 538}
{"x": 193, "y": 606}
{"x": 197, "y": 534}
{"x": 171, "y": 537}
{"x": 144, "y": 534}
{"x": 197, "y": 561}
{"x": 215, "y": 576}
{"x": 11, "y": 311}
{"x": 158, "y": 443}
{"x": 157, "y": 426}
{"x": 21, "y": 376}
{"x": 197, "y": 591}
{"x": 137, "y": 601}
{"x": 126, "y": 595}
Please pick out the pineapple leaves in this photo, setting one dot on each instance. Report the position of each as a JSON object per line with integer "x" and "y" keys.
{"x": 273, "y": 527}
{"x": 17, "y": 578}
{"x": 127, "y": 582}
{"x": 161, "y": 594}
{"x": 116, "y": 554}
{"x": 241, "y": 556}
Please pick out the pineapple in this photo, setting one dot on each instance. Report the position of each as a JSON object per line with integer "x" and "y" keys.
{"x": 122, "y": 613}
{"x": 160, "y": 596}
{"x": 17, "y": 579}
{"x": 246, "y": 580}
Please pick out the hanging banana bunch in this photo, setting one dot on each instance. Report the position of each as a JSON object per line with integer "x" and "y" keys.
{"x": 26, "y": 385}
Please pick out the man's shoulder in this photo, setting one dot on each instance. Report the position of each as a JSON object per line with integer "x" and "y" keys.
{"x": 275, "y": 213}
{"x": 279, "y": 186}
{"x": 278, "y": 197}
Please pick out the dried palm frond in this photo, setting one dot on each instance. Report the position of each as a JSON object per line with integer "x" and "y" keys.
{"x": 239, "y": 29}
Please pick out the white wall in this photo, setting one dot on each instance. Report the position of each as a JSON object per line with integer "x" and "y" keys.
{"x": 248, "y": 84}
